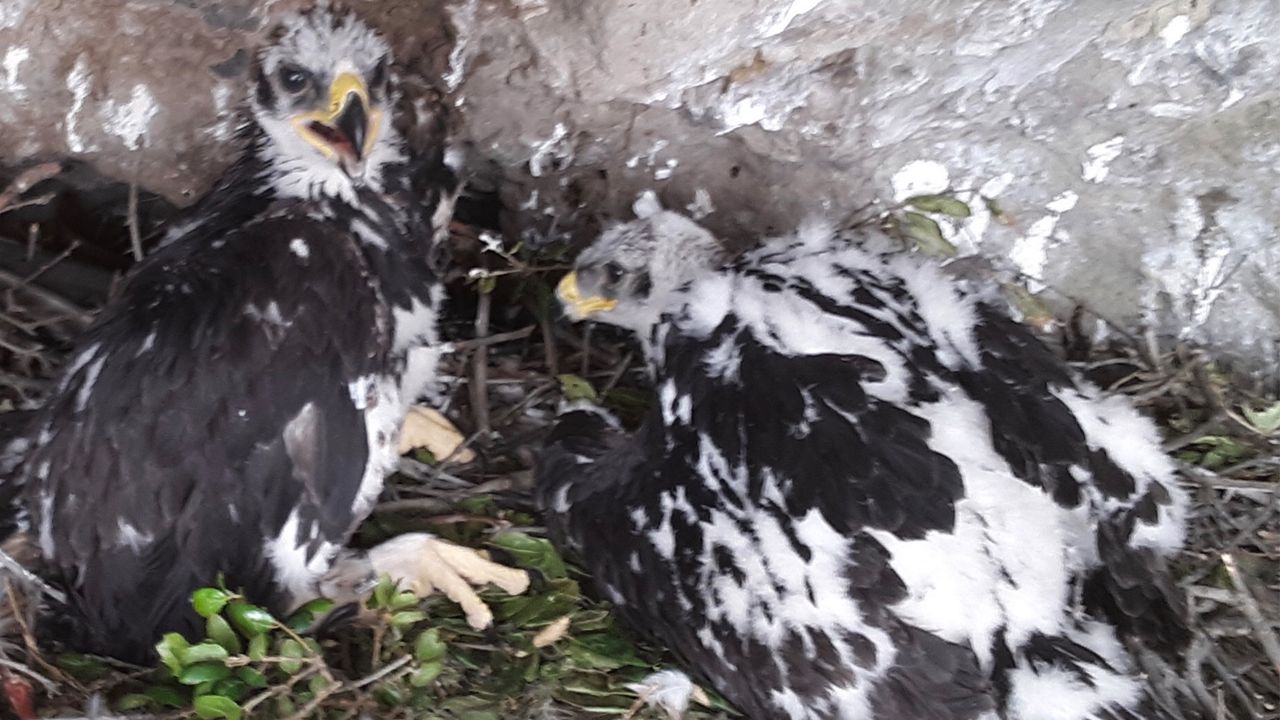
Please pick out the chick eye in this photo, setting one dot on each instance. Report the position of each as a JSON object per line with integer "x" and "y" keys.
{"x": 613, "y": 271}
{"x": 293, "y": 79}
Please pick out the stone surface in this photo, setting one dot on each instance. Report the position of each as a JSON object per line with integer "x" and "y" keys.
{"x": 1134, "y": 146}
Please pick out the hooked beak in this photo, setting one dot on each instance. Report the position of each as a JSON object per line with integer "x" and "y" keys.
{"x": 346, "y": 131}
{"x": 578, "y": 307}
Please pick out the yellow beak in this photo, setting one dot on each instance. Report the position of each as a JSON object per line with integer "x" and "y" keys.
{"x": 348, "y": 127}
{"x": 578, "y": 307}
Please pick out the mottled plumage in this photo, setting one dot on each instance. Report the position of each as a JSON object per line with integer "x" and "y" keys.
{"x": 861, "y": 492}
{"x": 236, "y": 407}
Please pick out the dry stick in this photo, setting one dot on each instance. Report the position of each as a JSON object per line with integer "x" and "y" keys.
{"x": 279, "y": 689}
{"x": 74, "y": 312}
{"x": 549, "y": 345}
{"x": 49, "y": 265}
{"x": 1252, "y": 613}
{"x": 135, "y": 235}
{"x": 480, "y": 368}
{"x": 1196, "y": 433}
{"x": 24, "y": 182}
{"x": 29, "y": 640}
{"x": 494, "y": 339}
{"x": 616, "y": 375}
{"x": 330, "y": 690}
{"x": 586, "y": 351}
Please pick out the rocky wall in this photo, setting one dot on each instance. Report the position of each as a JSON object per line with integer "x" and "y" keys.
{"x": 1133, "y": 146}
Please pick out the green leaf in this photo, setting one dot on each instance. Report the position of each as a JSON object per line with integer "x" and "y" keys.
{"x": 258, "y": 647}
{"x": 531, "y": 552}
{"x": 403, "y": 600}
{"x": 1034, "y": 312}
{"x": 291, "y": 648}
{"x": 487, "y": 284}
{"x": 210, "y": 707}
{"x": 219, "y": 630}
{"x": 575, "y": 387}
{"x": 383, "y": 592}
{"x": 926, "y": 234}
{"x": 603, "y": 651}
{"x": 133, "y": 701}
{"x": 83, "y": 667}
{"x": 252, "y": 678}
{"x": 425, "y": 456}
{"x": 170, "y": 648}
{"x": 231, "y": 687}
{"x": 1264, "y": 421}
{"x": 204, "y": 673}
{"x": 942, "y": 204}
{"x": 304, "y": 617}
{"x": 428, "y": 646}
{"x": 424, "y": 675}
{"x": 316, "y": 684}
{"x": 407, "y": 618}
{"x": 993, "y": 206}
{"x": 167, "y": 695}
{"x": 204, "y": 652}
{"x": 250, "y": 620}
{"x": 208, "y": 601}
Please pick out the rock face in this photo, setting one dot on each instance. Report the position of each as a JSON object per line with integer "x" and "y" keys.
{"x": 1133, "y": 146}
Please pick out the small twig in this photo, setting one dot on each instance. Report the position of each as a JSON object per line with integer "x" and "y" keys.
{"x": 480, "y": 368}
{"x": 1196, "y": 433}
{"x": 549, "y": 345}
{"x": 414, "y": 505}
{"x": 397, "y": 668}
{"x": 73, "y": 312}
{"x": 616, "y": 375}
{"x": 29, "y": 640}
{"x": 278, "y": 689}
{"x": 1249, "y": 606}
{"x": 1216, "y": 480}
{"x": 135, "y": 233}
{"x": 25, "y": 181}
{"x": 50, "y": 686}
{"x": 494, "y": 339}
{"x": 586, "y": 350}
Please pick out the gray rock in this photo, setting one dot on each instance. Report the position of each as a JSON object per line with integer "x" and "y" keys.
{"x": 1132, "y": 145}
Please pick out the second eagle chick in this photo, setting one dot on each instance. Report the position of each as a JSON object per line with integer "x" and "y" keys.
{"x": 861, "y": 492}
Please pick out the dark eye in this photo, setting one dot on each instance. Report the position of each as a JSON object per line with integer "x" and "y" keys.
{"x": 293, "y": 79}
{"x": 613, "y": 271}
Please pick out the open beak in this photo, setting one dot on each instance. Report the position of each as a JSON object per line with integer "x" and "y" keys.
{"x": 346, "y": 131}
{"x": 576, "y": 306}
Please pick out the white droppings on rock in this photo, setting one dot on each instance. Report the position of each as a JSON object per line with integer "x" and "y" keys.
{"x": 13, "y": 59}
{"x": 547, "y": 151}
{"x": 649, "y": 157}
{"x": 464, "y": 21}
{"x": 1098, "y": 166}
{"x": 299, "y": 247}
{"x": 224, "y": 126}
{"x": 12, "y": 12}
{"x": 129, "y": 121}
{"x": 701, "y": 205}
{"x": 78, "y": 83}
{"x": 1063, "y": 202}
{"x": 665, "y": 172}
{"x": 1175, "y": 30}
{"x": 1030, "y": 253}
{"x": 920, "y": 177}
